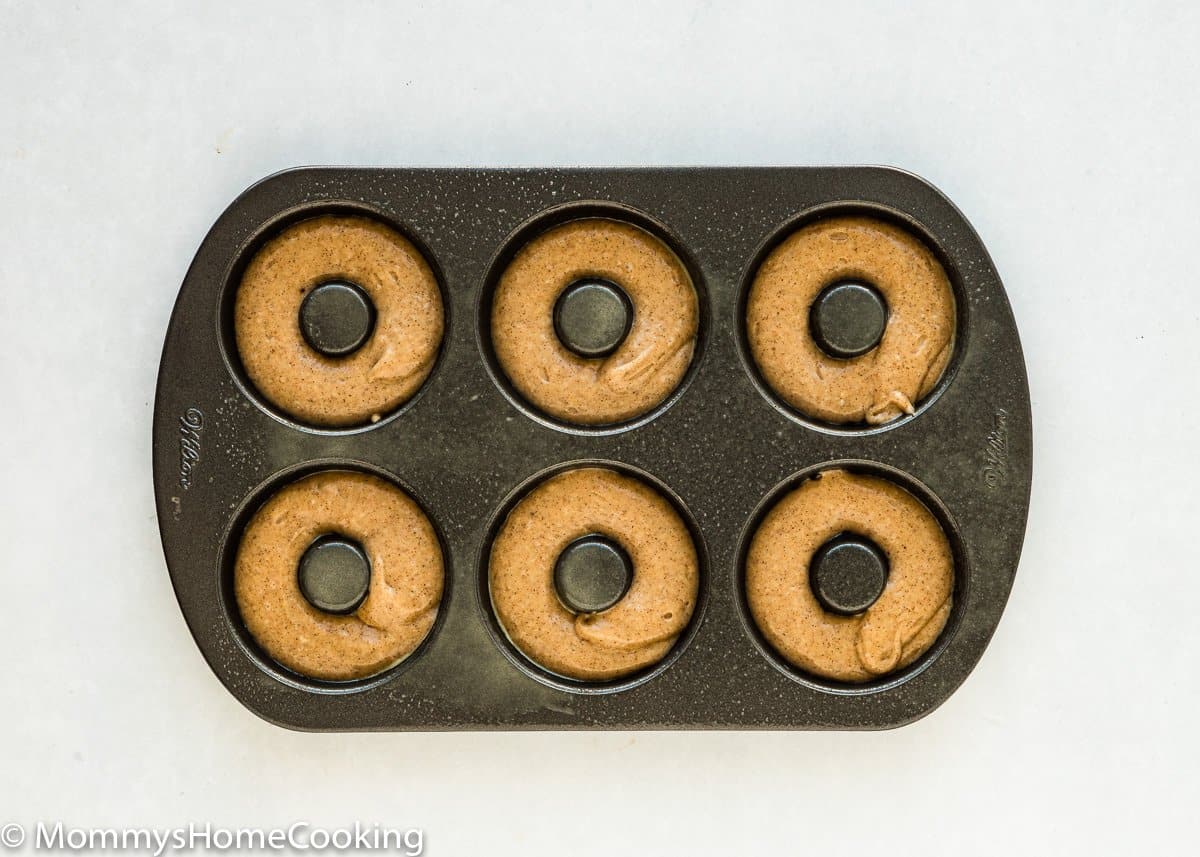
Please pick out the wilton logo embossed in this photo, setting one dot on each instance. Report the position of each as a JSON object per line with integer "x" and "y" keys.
{"x": 995, "y": 468}
{"x": 191, "y": 424}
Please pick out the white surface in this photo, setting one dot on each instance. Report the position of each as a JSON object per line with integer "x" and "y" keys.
{"x": 1070, "y": 139}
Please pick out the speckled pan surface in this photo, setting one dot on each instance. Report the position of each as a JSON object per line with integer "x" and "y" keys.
{"x": 465, "y": 447}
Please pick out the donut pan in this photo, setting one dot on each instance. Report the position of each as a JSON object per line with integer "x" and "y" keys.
{"x": 466, "y": 446}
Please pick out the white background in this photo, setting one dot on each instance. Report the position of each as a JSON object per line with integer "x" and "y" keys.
{"x": 1069, "y": 136}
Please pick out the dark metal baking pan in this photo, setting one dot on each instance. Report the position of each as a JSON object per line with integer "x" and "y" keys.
{"x": 466, "y": 446}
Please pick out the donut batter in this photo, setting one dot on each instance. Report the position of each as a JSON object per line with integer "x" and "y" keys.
{"x": 887, "y": 381}
{"x": 894, "y": 631}
{"x": 406, "y": 576}
{"x": 381, "y": 375}
{"x": 649, "y": 363}
{"x": 638, "y": 630}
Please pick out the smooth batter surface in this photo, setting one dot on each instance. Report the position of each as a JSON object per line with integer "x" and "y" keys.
{"x": 638, "y": 630}
{"x": 899, "y": 627}
{"x": 887, "y": 381}
{"x": 654, "y": 356}
{"x": 392, "y": 364}
{"x": 406, "y": 576}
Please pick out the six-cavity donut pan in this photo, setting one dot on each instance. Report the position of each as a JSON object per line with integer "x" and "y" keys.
{"x": 466, "y": 447}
